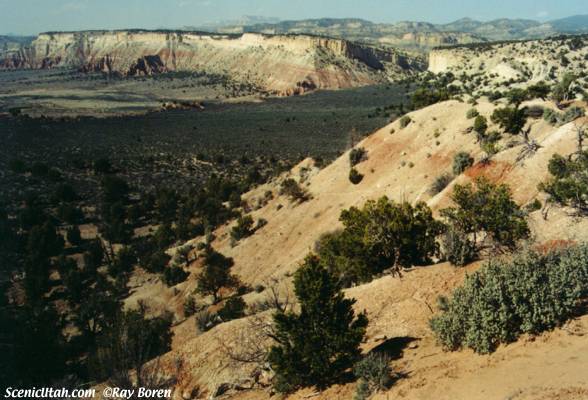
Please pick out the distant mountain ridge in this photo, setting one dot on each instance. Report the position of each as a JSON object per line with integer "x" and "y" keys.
{"x": 411, "y": 35}
{"x": 420, "y": 35}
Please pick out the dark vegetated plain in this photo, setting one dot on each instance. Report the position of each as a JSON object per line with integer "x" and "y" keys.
{"x": 188, "y": 146}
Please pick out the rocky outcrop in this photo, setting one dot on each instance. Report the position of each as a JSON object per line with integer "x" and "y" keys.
{"x": 275, "y": 63}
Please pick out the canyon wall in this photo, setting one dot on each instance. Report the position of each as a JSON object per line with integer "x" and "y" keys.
{"x": 275, "y": 63}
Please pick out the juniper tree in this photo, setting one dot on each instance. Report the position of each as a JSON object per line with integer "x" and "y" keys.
{"x": 486, "y": 209}
{"x": 216, "y": 274}
{"x": 318, "y": 344}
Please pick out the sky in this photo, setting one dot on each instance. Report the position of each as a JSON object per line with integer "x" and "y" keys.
{"x": 34, "y": 16}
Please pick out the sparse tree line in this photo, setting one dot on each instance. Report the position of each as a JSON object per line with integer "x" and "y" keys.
{"x": 66, "y": 317}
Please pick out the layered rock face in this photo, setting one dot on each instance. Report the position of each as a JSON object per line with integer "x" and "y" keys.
{"x": 282, "y": 64}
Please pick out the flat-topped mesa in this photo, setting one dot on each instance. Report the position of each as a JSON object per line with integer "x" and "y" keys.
{"x": 276, "y": 63}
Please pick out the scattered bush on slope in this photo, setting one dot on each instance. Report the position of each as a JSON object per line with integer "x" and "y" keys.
{"x": 383, "y": 234}
{"x": 532, "y": 293}
{"x": 568, "y": 185}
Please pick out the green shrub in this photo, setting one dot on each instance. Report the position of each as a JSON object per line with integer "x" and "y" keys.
{"x": 539, "y": 90}
{"x": 472, "y": 113}
{"x": 568, "y": 185}
{"x": 535, "y": 112}
{"x": 354, "y": 176}
{"x": 17, "y": 166}
{"x": 424, "y": 96}
{"x": 293, "y": 190}
{"x": 190, "y": 306}
{"x": 572, "y": 114}
{"x": 206, "y": 320}
{"x": 555, "y": 118}
{"x": 260, "y": 223}
{"x": 440, "y": 183}
{"x": 128, "y": 342}
{"x": 234, "y": 308}
{"x": 404, "y": 121}
{"x": 461, "y": 162}
{"x": 362, "y": 391}
{"x": 357, "y": 155}
{"x": 511, "y": 119}
{"x": 480, "y": 126}
{"x": 458, "y": 249}
{"x": 317, "y": 345}
{"x": 487, "y": 211}
{"x": 563, "y": 90}
{"x": 530, "y": 294}
{"x": 157, "y": 262}
{"x": 488, "y": 143}
{"x": 375, "y": 370}
{"x": 535, "y": 205}
{"x": 174, "y": 275}
{"x": 216, "y": 274}
{"x": 551, "y": 116}
{"x": 381, "y": 235}
{"x": 517, "y": 96}
{"x": 243, "y": 229}
{"x": 114, "y": 189}
{"x": 102, "y": 166}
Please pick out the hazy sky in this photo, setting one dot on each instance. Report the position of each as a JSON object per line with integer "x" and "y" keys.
{"x": 33, "y": 16}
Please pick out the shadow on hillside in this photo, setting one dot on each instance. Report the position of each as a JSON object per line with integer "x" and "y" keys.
{"x": 394, "y": 348}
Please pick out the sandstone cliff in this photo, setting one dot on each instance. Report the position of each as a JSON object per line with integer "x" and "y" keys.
{"x": 283, "y": 64}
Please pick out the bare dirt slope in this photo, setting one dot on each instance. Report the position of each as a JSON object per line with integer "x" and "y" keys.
{"x": 402, "y": 164}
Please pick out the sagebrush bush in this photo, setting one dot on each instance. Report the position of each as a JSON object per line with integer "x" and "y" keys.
{"x": 472, "y": 113}
{"x": 440, "y": 183}
{"x": 357, "y": 155}
{"x": 234, "y": 308}
{"x": 293, "y": 190}
{"x": 374, "y": 369}
{"x": 206, "y": 320}
{"x": 555, "y": 118}
{"x": 461, "y": 162}
{"x": 362, "y": 391}
{"x": 551, "y": 116}
{"x": 532, "y": 293}
{"x": 572, "y": 114}
{"x": 243, "y": 229}
{"x": 354, "y": 176}
{"x": 458, "y": 249}
{"x": 404, "y": 121}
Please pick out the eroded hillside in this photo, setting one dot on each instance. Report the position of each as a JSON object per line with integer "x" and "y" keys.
{"x": 277, "y": 64}
{"x": 402, "y": 163}
{"x": 499, "y": 66}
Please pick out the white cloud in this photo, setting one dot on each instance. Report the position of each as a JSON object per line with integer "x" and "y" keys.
{"x": 542, "y": 14}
